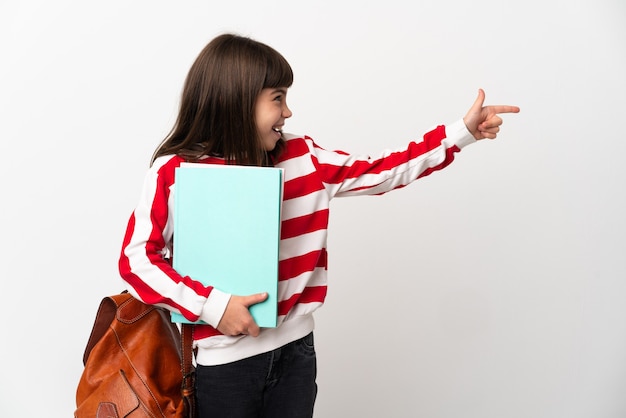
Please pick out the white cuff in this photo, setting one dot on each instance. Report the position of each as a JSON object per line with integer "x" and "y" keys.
{"x": 214, "y": 307}
{"x": 458, "y": 134}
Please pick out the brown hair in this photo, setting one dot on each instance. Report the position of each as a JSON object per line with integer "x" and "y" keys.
{"x": 216, "y": 115}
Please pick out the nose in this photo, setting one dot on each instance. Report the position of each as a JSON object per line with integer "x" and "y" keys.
{"x": 286, "y": 111}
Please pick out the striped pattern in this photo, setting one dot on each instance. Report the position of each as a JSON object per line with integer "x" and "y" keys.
{"x": 313, "y": 176}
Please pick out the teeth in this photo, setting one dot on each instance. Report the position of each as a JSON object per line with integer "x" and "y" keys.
{"x": 277, "y": 130}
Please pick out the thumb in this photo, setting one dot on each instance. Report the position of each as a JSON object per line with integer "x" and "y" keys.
{"x": 478, "y": 103}
{"x": 254, "y": 299}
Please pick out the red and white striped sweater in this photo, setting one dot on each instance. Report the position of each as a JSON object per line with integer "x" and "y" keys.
{"x": 313, "y": 176}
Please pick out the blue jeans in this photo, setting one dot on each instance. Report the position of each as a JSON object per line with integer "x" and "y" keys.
{"x": 276, "y": 384}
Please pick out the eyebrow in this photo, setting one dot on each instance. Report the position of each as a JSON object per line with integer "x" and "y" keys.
{"x": 279, "y": 90}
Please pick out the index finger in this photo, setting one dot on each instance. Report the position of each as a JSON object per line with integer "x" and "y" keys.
{"x": 503, "y": 109}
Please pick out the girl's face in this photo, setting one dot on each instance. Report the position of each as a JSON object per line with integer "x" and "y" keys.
{"x": 270, "y": 112}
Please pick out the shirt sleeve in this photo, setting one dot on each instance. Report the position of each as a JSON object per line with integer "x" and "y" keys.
{"x": 145, "y": 257}
{"x": 350, "y": 175}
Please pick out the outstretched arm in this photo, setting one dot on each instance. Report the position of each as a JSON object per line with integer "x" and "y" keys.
{"x": 483, "y": 121}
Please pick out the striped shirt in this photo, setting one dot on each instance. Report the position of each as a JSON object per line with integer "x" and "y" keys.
{"x": 313, "y": 176}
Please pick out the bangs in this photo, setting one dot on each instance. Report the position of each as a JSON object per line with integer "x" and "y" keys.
{"x": 279, "y": 72}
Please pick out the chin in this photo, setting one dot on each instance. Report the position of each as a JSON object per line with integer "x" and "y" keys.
{"x": 270, "y": 146}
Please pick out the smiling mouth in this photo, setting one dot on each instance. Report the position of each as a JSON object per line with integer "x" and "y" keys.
{"x": 280, "y": 131}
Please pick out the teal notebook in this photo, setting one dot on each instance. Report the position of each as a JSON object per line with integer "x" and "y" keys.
{"x": 227, "y": 231}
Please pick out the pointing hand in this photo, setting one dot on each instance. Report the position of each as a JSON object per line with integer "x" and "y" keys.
{"x": 483, "y": 121}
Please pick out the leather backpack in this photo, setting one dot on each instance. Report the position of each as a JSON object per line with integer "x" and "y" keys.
{"x": 137, "y": 363}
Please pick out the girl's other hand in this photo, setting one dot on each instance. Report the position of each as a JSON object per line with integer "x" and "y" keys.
{"x": 483, "y": 121}
{"x": 237, "y": 319}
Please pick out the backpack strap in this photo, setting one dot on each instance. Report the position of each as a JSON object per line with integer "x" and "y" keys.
{"x": 187, "y": 368}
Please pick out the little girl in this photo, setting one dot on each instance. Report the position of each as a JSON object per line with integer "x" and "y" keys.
{"x": 232, "y": 111}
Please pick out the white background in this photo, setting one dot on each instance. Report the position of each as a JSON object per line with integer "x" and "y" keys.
{"x": 495, "y": 288}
